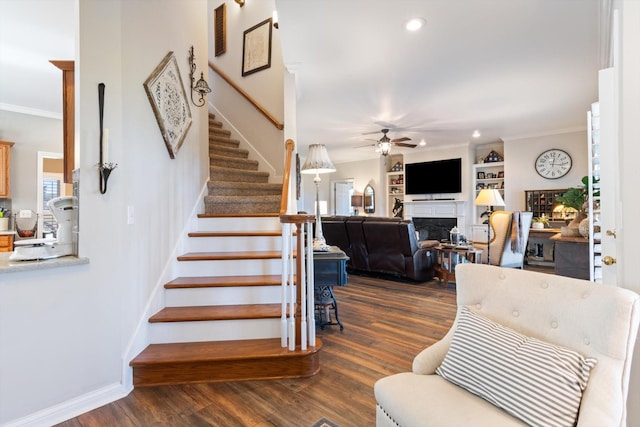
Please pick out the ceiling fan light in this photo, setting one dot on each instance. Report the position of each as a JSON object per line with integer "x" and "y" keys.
{"x": 384, "y": 147}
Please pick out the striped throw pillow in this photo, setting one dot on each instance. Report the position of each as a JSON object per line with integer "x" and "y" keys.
{"x": 537, "y": 382}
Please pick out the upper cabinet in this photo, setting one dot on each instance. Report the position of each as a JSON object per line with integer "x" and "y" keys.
{"x": 5, "y": 169}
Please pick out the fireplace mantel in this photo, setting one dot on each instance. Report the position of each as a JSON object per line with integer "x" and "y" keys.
{"x": 437, "y": 209}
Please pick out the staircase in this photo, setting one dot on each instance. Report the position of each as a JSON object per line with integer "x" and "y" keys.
{"x": 236, "y": 186}
{"x": 221, "y": 320}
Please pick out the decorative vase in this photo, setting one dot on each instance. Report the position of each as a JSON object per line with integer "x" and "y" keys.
{"x": 584, "y": 227}
{"x": 575, "y": 223}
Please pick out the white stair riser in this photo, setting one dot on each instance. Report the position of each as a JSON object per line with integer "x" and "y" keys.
{"x": 234, "y": 244}
{"x": 238, "y": 267}
{"x": 183, "y": 297}
{"x": 215, "y": 330}
{"x": 238, "y": 224}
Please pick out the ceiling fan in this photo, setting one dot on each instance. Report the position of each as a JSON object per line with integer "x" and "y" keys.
{"x": 384, "y": 144}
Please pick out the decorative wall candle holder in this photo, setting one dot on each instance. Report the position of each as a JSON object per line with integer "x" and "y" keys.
{"x": 104, "y": 168}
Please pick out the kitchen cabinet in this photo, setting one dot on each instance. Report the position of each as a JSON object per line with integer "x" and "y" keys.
{"x": 6, "y": 242}
{"x": 5, "y": 169}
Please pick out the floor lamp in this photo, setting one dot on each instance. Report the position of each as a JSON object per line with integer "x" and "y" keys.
{"x": 489, "y": 198}
{"x": 318, "y": 162}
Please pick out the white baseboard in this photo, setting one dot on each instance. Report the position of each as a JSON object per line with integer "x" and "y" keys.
{"x": 72, "y": 408}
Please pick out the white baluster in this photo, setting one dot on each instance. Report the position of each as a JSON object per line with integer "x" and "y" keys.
{"x": 311, "y": 288}
{"x": 292, "y": 299}
{"x": 286, "y": 249}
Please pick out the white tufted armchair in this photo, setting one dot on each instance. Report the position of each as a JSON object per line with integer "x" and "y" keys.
{"x": 595, "y": 320}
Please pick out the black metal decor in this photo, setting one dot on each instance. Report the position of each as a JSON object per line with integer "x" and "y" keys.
{"x": 104, "y": 169}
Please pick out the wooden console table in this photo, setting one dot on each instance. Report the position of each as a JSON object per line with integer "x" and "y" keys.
{"x": 448, "y": 258}
{"x": 540, "y": 247}
{"x": 572, "y": 256}
{"x": 329, "y": 270}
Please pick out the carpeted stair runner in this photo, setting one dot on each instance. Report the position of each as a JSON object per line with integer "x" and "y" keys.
{"x": 236, "y": 186}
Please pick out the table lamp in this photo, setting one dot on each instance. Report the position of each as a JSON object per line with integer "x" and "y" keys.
{"x": 318, "y": 162}
{"x": 356, "y": 202}
{"x": 489, "y": 198}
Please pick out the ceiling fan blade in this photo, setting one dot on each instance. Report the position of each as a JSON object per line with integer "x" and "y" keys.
{"x": 368, "y": 145}
{"x": 371, "y": 133}
{"x": 404, "y": 138}
{"x": 402, "y": 144}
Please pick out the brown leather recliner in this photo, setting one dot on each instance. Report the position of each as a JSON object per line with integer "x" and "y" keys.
{"x": 380, "y": 245}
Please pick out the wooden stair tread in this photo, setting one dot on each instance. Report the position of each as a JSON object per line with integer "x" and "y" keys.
{"x": 217, "y": 350}
{"x": 275, "y": 233}
{"x": 200, "y": 362}
{"x": 217, "y": 312}
{"x": 224, "y": 281}
{"x": 239, "y": 215}
{"x": 217, "y": 256}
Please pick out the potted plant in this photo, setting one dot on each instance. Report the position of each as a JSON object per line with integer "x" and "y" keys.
{"x": 540, "y": 222}
{"x": 578, "y": 199}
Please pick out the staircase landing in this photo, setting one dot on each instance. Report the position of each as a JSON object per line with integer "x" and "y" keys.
{"x": 178, "y": 363}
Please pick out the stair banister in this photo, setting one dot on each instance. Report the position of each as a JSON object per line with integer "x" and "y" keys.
{"x": 246, "y": 96}
{"x": 298, "y": 303}
{"x": 286, "y": 181}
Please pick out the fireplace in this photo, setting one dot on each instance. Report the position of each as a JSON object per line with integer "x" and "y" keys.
{"x": 434, "y": 228}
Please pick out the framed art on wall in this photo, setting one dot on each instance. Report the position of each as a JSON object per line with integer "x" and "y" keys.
{"x": 169, "y": 102}
{"x": 256, "y": 48}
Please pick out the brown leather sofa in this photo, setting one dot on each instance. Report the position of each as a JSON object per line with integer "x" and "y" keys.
{"x": 380, "y": 245}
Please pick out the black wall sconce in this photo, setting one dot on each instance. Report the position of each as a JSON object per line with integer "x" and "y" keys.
{"x": 201, "y": 85}
{"x": 104, "y": 168}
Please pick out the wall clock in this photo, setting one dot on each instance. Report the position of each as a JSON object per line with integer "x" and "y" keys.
{"x": 553, "y": 163}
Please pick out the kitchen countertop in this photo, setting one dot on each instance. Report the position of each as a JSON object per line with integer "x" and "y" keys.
{"x": 7, "y": 266}
{"x": 5, "y": 233}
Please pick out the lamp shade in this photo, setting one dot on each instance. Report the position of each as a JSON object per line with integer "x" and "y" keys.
{"x": 356, "y": 200}
{"x": 317, "y": 160}
{"x": 489, "y": 197}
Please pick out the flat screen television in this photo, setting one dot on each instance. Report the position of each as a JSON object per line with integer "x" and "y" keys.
{"x": 434, "y": 177}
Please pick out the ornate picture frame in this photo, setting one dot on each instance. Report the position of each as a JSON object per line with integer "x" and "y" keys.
{"x": 169, "y": 102}
{"x": 256, "y": 48}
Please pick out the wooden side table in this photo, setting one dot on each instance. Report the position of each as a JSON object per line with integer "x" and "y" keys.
{"x": 447, "y": 259}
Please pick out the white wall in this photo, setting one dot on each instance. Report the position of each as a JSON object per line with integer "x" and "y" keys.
{"x": 64, "y": 332}
{"x": 629, "y": 229}
{"x": 520, "y": 156}
{"x": 30, "y": 135}
{"x": 363, "y": 173}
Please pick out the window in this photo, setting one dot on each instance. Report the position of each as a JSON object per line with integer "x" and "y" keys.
{"x": 50, "y": 190}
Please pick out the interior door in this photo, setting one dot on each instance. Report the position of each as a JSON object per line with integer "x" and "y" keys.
{"x": 342, "y": 191}
{"x": 609, "y": 177}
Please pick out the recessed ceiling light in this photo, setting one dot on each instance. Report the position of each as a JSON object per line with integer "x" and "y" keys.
{"x": 422, "y": 143}
{"x": 476, "y": 134}
{"x": 414, "y": 24}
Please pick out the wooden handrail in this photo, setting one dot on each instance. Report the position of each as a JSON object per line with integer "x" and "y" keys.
{"x": 289, "y": 146}
{"x": 252, "y": 101}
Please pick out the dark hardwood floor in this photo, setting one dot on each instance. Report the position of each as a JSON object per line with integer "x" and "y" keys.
{"x": 386, "y": 324}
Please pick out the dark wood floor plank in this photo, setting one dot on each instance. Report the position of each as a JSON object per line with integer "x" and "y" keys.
{"x": 386, "y": 324}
